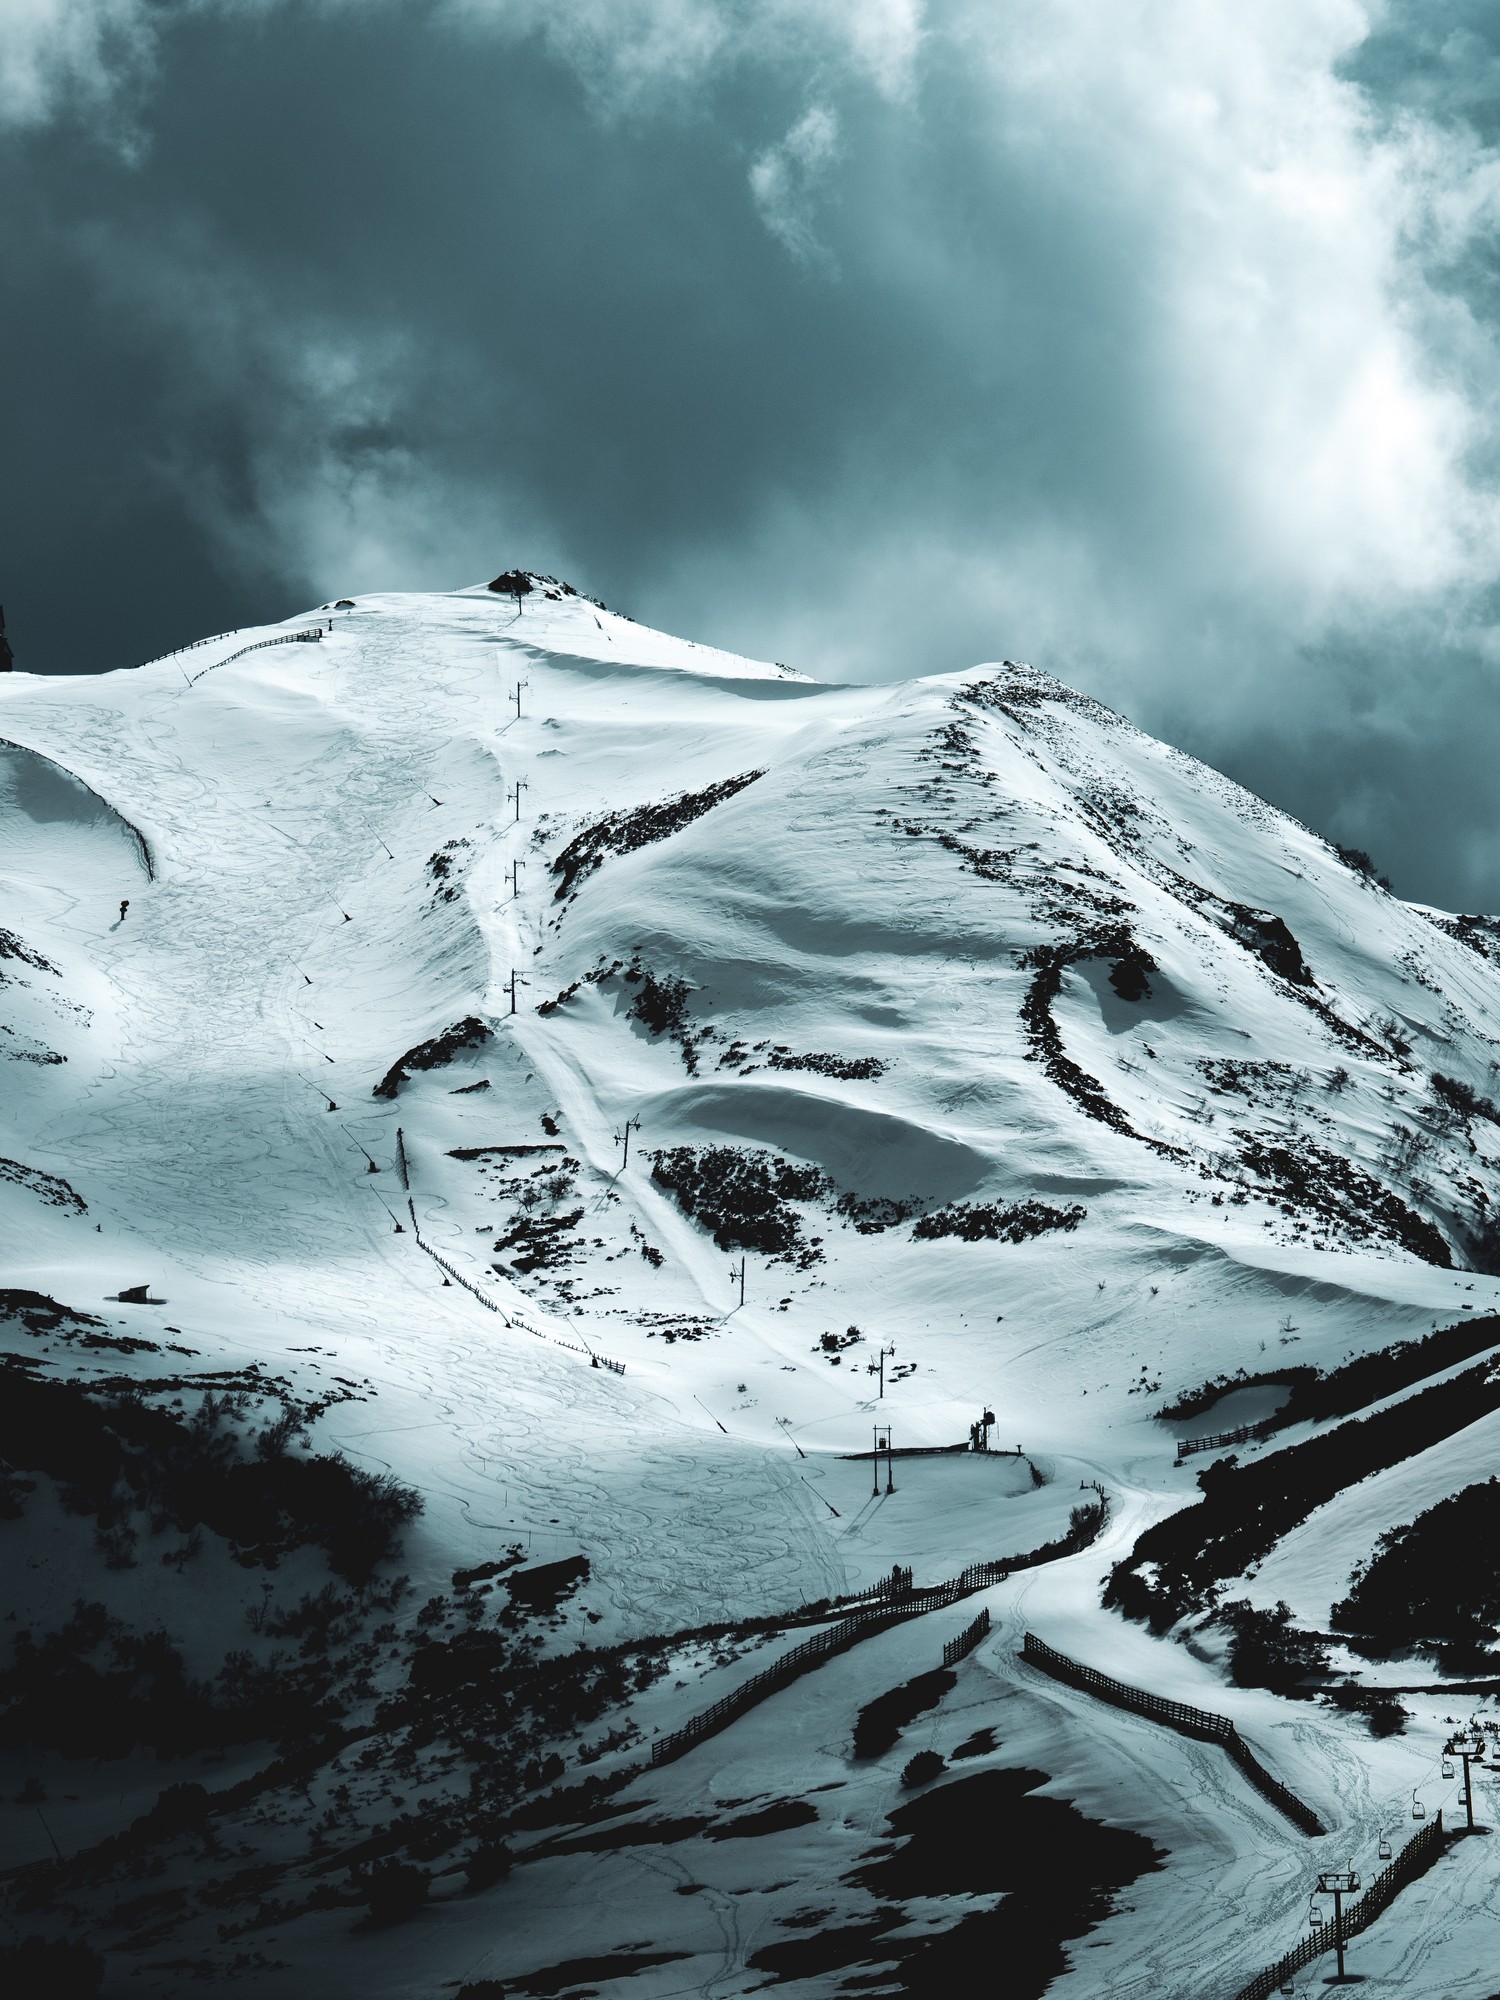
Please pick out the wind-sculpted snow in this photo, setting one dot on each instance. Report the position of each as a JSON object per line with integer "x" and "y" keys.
{"x": 942, "y": 1062}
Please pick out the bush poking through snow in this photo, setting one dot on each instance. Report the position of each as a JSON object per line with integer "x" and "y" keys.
{"x": 111, "y": 1452}
{"x": 922, "y": 1769}
{"x": 393, "y": 1891}
{"x": 742, "y": 1198}
{"x": 490, "y": 1862}
{"x": 470, "y": 1033}
{"x": 624, "y": 832}
{"x": 61, "y": 1971}
{"x": 1435, "y": 1583}
{"x": 1265, "y": 1650}
{"x": 977, "y": 1222}
{"x": 1246, "y": 1509}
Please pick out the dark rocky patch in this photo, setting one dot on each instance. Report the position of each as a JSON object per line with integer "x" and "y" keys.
{"x": 975, "y": 1222}
{"x": 1269, "y": 939}
{"x": 545, "y": 1584}
{"x": 470, "y": 1033}
{"x": 51, "y": 1188}
{"x": 539, "y": 1242}
{"x": 1312, "y": 1178}
{"x": 624, "y": 832}
{"x": 851, "y": 1068}
{"x": 742, "y": 1198}
{"x": 13, "y": 947}
{"x": 980, "y": 1744}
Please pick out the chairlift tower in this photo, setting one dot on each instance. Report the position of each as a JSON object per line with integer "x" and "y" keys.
{"x": 1338, "y": 1883}
{"x": 519, "y": 686}
{"x": 877, "y": 1366}
{"x": 633, "y": 1125}
{"x": 1472, "y": 1751}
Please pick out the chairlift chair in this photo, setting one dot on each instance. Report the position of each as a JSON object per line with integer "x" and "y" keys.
{"x": 1418, "y": 1810}
{"x": 1385, "y": 1847}
{"x": 1315, "y": 1920}
{"x": 1447, "y": 1767}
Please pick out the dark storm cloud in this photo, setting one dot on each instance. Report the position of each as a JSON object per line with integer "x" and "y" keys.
{"x": 1154, "y": 345}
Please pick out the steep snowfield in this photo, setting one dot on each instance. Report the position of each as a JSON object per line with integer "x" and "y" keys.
{"x": 969, "y": 954}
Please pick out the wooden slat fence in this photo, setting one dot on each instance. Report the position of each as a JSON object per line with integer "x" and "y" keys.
{"x": 961, "y": 1647}
{"x": 596, "y": 1360}
{"x": 1187, "y": 1446}
{"x": 308, "y": 637}
{"x": 864, "y": 1623}
{"x": 1414, "y": 1859}
{"x": 1187, "y": 1721}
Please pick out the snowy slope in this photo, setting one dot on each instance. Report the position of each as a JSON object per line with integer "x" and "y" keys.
{"x": 970, "y": 954}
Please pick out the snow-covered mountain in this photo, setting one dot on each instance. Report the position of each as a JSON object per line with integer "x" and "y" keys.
{"x": 974, "y": 1053}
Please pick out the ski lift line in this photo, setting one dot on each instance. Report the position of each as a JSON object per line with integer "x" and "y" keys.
{"x": 1420, "y": 1852}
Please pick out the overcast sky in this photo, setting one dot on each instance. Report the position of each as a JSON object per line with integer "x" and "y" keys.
{"x": 1153, "y": 343}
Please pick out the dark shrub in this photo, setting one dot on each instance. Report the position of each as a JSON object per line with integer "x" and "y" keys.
{"x": 395, "y": 1890}
{"x": 1266, "y": 1651}
{"x": 490, "y": 1862}
{"x": 36, "y": 1969}
{"x": 922, "y": 1769}
{"x": 1435, "y": 1582}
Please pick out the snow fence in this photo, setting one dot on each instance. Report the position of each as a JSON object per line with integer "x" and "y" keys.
{"x": 865, "y": 1623}
{"x": 1197, "y": 1722}
{"x": 308, "y": 637}
{"x": 1414, "y": 1859}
